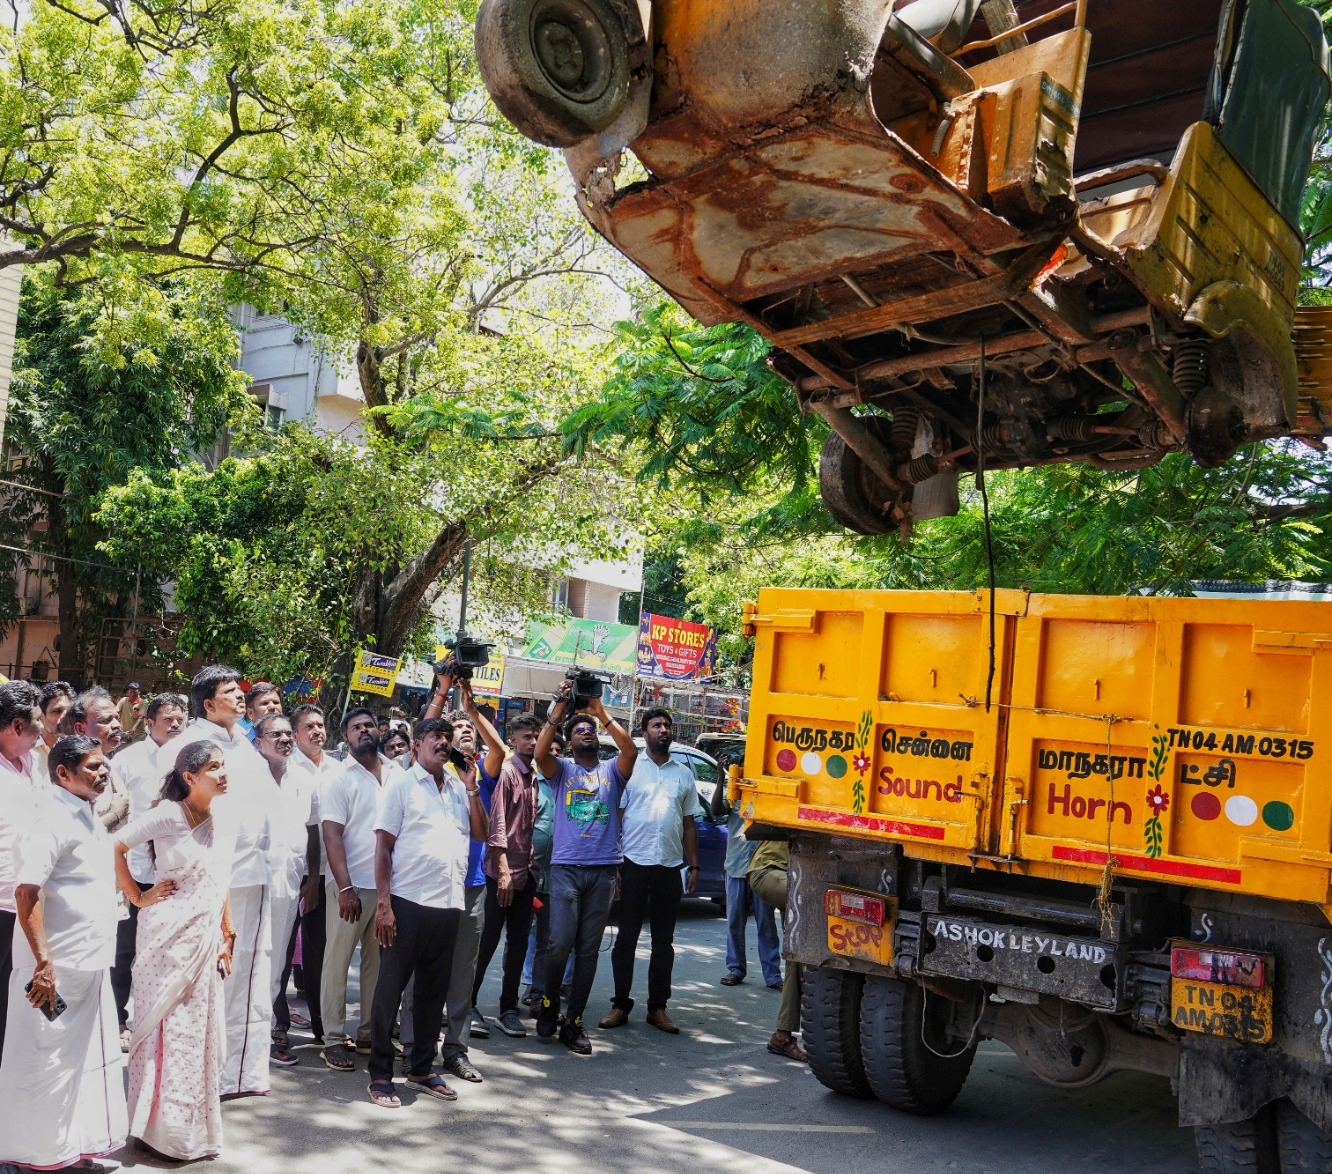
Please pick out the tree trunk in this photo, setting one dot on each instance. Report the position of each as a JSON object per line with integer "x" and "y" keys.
{"x": 400, "y": 600}
{"x": 71, "y": 653}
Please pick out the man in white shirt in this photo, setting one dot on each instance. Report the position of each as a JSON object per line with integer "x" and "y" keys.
{"x": 251, "y": 806}
{"x": 307, "y": 724}
{"x": 426, "y": 819}
{"x": 658, "y": 836}
{"x": 57, "y": 697}
{"x": 274, "y": 741}
{"x": 61, "y": 1080}
{"x": 20, "y": 726}
{"x": 347, "y": 808}
{"x": 137, "y": 773}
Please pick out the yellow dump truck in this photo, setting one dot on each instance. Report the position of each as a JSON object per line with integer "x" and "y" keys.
{"x": 1098, "y": 830}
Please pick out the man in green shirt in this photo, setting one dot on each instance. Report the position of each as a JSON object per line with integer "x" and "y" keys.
{"x": 767, "y": 877}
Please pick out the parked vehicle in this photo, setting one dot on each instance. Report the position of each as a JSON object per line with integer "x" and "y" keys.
{"x": 1101, "y": 836}
{"x": 711, "y": 884}
{"x": 723, "y": 748}
{"x": 1046, "y": 233}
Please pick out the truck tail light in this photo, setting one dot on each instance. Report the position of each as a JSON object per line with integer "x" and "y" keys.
{"x": 1224, "y": 966}
{"x": 855, "y": 907}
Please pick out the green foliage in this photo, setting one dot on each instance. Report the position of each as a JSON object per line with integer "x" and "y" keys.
{"x": 265, "y": 549}
{"x": 277, "y": 555}
{"x": 700, "y": 406}
{"x": 91, "y": 408}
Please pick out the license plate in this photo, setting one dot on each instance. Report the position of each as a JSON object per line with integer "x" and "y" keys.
{"x": 853, "y": 938}
{"x": 1216, "y": 1008}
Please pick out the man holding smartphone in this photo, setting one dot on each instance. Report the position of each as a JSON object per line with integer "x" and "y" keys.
{"x": 585, "y": 857}
{"x": 62, "y": 1076}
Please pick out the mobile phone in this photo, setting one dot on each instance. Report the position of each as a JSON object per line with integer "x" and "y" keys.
{"x": 459, "y": 759}
{"x": 51, "y": 1013}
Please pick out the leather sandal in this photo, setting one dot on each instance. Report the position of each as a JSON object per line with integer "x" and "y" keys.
{"x": 789, "y": 1049}
{"x": 382, "y": 1094}
{"x": 339, "y": 1057}
{"x": 432, "y": 1085}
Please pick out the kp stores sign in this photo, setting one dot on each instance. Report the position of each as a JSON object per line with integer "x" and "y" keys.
{"x": 678, "y": 650}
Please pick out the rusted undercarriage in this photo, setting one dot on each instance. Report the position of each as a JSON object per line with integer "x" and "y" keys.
{"x": 898, "y": 200}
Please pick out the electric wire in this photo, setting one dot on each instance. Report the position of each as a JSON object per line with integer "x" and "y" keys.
{"x": 985, "y": 510}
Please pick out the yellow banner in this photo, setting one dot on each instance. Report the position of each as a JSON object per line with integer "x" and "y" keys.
{"x": 375, "y": 674}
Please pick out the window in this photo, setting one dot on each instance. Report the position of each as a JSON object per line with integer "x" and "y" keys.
{"x": 273, "y": 417}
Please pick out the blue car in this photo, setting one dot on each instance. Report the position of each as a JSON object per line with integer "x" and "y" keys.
{"x": 711, "y": 832}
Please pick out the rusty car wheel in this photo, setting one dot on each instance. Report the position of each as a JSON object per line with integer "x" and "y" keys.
{"x": 557, "y": 69}
{"x": 850, "y": 490}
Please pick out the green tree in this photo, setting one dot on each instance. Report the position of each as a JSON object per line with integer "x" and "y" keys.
{"x": 87, "y": 416}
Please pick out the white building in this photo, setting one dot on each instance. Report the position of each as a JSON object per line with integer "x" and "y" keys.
{"x": 293, "y": 380}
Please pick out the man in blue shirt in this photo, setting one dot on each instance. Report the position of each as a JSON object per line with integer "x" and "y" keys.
{"x": 585, "y": 857}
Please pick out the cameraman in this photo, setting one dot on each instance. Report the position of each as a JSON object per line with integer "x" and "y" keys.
{"x": 585, "y": 857}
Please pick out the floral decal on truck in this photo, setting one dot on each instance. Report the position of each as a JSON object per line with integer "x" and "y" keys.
{"x": 861, "y": 761}
{"x": 1157, "y": 799}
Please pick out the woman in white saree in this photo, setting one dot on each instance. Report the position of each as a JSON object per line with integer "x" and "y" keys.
{"x": 183, "y": 953}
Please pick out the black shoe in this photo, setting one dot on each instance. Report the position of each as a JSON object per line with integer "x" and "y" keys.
{"x": 573, "y": 1037}
{"x": 480, "y": 1028}
{"x": 547, "y": 1020}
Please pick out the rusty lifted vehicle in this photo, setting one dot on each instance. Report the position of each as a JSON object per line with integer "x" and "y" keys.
{"x": 1016, "y": 232}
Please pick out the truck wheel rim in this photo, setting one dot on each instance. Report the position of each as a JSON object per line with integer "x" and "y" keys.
{"x": 572, "y": 49}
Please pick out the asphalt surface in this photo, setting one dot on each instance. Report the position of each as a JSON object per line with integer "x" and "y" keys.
{"x": 707, "y": 1101}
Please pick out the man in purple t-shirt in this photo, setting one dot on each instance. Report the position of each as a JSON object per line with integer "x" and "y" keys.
{"x": 585, "y": 857}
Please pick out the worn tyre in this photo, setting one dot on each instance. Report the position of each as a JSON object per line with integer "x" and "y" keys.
{"x": 849, "y": 489}
{"x": 830, "y": 1029}
{"x": 902, "y": 1071}
{"x": 1239, "y": 1147}
{"x": 1303, "y": 1147}
{"x": 557, "y": 69}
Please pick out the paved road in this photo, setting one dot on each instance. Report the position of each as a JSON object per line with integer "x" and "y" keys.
{"x": 708, "y": 1101}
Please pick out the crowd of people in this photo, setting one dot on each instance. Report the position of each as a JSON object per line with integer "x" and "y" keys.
{"x": 160, "y": 877}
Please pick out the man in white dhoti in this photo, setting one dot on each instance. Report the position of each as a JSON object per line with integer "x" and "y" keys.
{"x": 62, "y": 1075}
{"x": 248, "y": 807}
{"x": 19, "y": 733}
{"x": 295, "y": 809}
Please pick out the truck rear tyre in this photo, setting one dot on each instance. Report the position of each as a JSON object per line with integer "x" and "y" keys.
{"x": 830, "y": 1029}
{"x": 849, "y": 489}
{"x": 557, "y": 69}
{"x": 1239, "y": 1147}
{"x": 1304, "y": 1148}
{"x": 896, "y": 1020}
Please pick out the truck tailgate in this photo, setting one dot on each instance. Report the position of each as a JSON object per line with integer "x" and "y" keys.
{"x": 1178, "y": 739}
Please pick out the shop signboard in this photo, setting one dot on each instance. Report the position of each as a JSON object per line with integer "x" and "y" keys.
{"x": 675, "y": 650}
{"x": 592, "y": 644}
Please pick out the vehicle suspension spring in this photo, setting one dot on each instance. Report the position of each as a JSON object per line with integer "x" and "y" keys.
{"x": 906, "y": 421}
{"x": 918, "y": 470}
{"x": 1190, "y": 366}
{"x": 1074, "y": 429}
{"x": 994, "y": 436}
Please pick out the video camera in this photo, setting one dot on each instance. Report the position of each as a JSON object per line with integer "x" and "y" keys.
{"x": 587, "y": 687}
{"x": 467, "y": 655}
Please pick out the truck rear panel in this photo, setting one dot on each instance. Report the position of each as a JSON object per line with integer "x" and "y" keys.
{"x": 1180, "y": 740}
